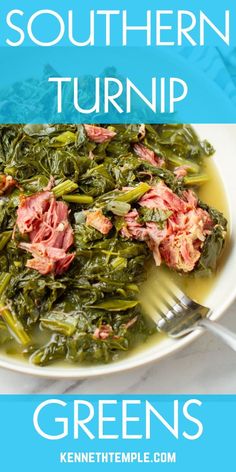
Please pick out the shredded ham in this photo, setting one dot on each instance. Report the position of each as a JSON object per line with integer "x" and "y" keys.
{"x": 98, "y": 134}
{"x": 97, "y": 220}
{"x": 132, "y": 228}
{"x": 103, "y": 332}
{"x": 190, "y": 198}
{"x": 180, "y": 239}
{"x": 181, "y": 172}
{"x": 179, "y": 252}
{"x": 163, "y": 198}
{"x": 155, "y": 238}
{"x": 46, "y": 222}
{"x": 31, "y": 210}
{"x": 148, "y": 155}
{"x": 6, "y": 183}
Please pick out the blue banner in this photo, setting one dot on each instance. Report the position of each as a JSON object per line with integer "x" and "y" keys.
{"x": 136, "y": 432}
{"x": 155, "y": 23}
{"x": 132, "y": 85}
{"x": 98, "y": 62}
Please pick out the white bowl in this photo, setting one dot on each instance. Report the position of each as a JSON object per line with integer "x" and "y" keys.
{"x": 223, "y": 138}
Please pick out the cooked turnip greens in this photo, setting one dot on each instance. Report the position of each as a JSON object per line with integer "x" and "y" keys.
{"x": 83, "y": 208}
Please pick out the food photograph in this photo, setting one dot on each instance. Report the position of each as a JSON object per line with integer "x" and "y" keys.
{"x": 95, "y": 220}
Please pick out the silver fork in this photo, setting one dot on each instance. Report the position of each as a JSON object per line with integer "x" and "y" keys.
{"x": 177, "y": 315}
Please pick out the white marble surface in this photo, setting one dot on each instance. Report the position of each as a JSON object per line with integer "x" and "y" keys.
{"x": 206, "y": 366}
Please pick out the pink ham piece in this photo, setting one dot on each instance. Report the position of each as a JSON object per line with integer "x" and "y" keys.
{"x": 47, "y": 259}
{"x": 180, "y": 252}
{"x": 31, "y": 210}
{"x": 148, "y": 155}
{"x": 163, "y": 198}
{"x": 46, "y": 222}
{"x": 181, "y": 172}
{"x": 103, "y": 332}
{"x": 191, "y": 198}
{"x": 155, "y": 237}
{"x": 178, "y": 242}
{"x": 98, "y": 134}
{"x": 132, "y": 228}
{"x": 54, "y": 229}
{"x": 98, "y": 221}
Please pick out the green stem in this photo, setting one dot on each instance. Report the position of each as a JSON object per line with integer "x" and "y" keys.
{"x": 4, "y": 239}
{"x": 179, "y": 161}
{"x": 4, "y": 282}
{"x": 82, "y": 199}
{"x": 115, "y": 305}
{"x": 14, "y": 325}
{"x": 134, "y": 194}
{"x": 197, "y": 180}
{"x": 65, "y": 325}
{"x": 2, "y": 325}
{"x": 64, "y": 188}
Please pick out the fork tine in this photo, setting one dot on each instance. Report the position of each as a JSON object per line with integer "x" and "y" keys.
{"x": 153, "y": 297}
{"x": 168, "y": 298}
{"x": 171, "y": 286}
{"x": 151, "y": 301}
{"x": 158, "y": 303}
{"x": 173, "y": 312}
{"x": 151, "y": 310}
{"x": 183, "y": 303}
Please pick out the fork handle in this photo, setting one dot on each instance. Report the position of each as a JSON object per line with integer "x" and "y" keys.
{"x": 220, "y": 331}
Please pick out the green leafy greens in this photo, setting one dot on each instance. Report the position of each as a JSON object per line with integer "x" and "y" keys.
{"x": 90, "y": 313}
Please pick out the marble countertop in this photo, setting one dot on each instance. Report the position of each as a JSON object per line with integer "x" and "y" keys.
{"x": 206, "y": 366}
